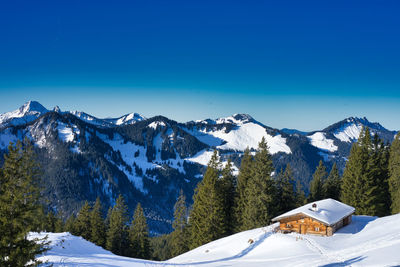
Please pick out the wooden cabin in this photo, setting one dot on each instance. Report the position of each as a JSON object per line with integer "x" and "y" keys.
{"x": 322, "y": 217}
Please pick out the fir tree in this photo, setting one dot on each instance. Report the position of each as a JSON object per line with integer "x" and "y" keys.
{"x": 394, "y": 175}
{"x": 50, "y": 222}
{"x": 70, "y": 224}
{"x": 241, "y": 196}
{"x": 19, "y": 207}
{"x": 332, "y": 185}
{"x": 227, "y": 185}
{"x": 58, "y": 225}
{"x": 300, "y": 196}
{"x": 286, "y": 195}
{"x": 364, "y": 185}
{"x": 260, "y": 193}
{"x": 179, "y": 237}
{"x": 98, "y": 234}
{"x": 319, "y": 176}
{"x": 206, "y": 220}
{"x": 117, "y": 230}
{"x": 139, "y": 235}
{"x": 82, "y": 222}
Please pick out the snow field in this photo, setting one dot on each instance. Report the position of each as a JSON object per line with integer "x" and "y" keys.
{"x": 367, "y": 241}
{"x": 320, "y": 141}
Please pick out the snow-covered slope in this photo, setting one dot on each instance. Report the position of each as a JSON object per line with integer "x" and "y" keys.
{"x": 237, "y": 133}
{"x": 367, "y": 241}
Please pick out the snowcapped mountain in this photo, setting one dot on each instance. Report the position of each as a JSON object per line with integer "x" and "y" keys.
{"x": 148, "y": 160}
{"x": 26, "y": 113}
{"x": 109, "y": 122}
{"x": 367, "y": 241}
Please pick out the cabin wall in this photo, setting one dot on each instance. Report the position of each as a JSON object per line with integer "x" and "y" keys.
{"x": 305, "y": 225}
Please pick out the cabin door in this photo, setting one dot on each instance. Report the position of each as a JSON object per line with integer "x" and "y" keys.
{"x": 302, "y": 229}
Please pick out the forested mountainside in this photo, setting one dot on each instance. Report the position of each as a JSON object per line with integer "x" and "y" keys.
{"x": 148, "y": 160}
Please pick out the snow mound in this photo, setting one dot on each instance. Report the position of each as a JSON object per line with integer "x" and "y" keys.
{"x": 320, "y": 141}
{"x": 367, "y": 241}
{"x": 69, "y": 250}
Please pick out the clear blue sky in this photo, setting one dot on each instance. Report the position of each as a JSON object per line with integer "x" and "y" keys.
{"x": 295, "y": 64}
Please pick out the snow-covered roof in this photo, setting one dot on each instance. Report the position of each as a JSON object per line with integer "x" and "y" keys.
{"x": 328, "y": 211}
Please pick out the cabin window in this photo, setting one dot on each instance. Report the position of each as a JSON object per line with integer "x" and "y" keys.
{"x": 288, "y": 225}
{"x": 317, "y": 229}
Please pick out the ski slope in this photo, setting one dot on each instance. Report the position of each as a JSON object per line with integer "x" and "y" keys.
{"x": 367, "y": 241}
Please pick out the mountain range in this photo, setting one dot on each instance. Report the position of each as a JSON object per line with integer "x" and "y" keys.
{"x": 148, "y": 160}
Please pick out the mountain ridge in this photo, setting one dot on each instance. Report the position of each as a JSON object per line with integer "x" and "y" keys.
{"x": 150, "y": 159}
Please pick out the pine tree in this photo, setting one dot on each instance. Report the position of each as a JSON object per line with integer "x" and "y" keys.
{"x": 206, "y": 220}
{"x": 82, "y": 222}
{"x": 117, "y": 230}
{"x": 319, "y": 176}
{"x": 364, "y": 182}
{"x": 70, "y": 225}
{"x": 19, "y": 207}
{"x": 98, "y": 234}
{"x": 286, "y": 195}
{"x": 227, "y": 185}
{"x": 139, "y": 235}
{"x": 332, "y": 185}
{"x": 300, "y": 196}
{"x": 179, "y": 237}
{"x": 394, "y": 175}
{"x": 260, "y": 193}
{"x": 377, "y": 193}
{"x": 241, "y": 196}
{"x": 58, "y": 225}
{"x": 50, "y": 222}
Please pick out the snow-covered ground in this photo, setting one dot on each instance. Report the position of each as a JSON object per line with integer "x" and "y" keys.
{"x": 320, "y": 141}
{"x": 367, "y": 241}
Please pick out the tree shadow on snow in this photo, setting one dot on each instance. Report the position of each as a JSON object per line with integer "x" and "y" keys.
{"x": 345, "y": 263}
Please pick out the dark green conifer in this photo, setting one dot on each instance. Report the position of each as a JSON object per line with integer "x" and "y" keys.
{"x": 98, "y": 235}
{"x": 286, "y": 196}
{"x": 70, "y": 225}
{"x": 300, "y": 196}
{"x": 50, "y": 222}
{"x": 139, "y": 235}
{"x": 179, "y": 237}
{"x": 260, "y": 206}
{"x": 227, "y": 185}
{"x": 332, "y": 185}
{"x": 82, "y": 222}
{"x": 241, "y": 196}
{"x": 319, "y": 176}
{"x": 364, "y": 182}
{"x": 206, "y": 220}
{"x": 394, "y": 175}
{"x": 19, "y": 207}
{"x": 117, "y": 230}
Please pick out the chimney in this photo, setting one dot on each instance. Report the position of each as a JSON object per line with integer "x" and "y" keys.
{"x": 314, "y": 207}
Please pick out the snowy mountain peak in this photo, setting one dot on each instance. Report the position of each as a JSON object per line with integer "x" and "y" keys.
{"x": 130, "y": 118}
{"x": 32, "y": 107}
{"x": 29, "y": 111}
{"x": 57, "y": 109}
{"x": 235, "y": 119}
